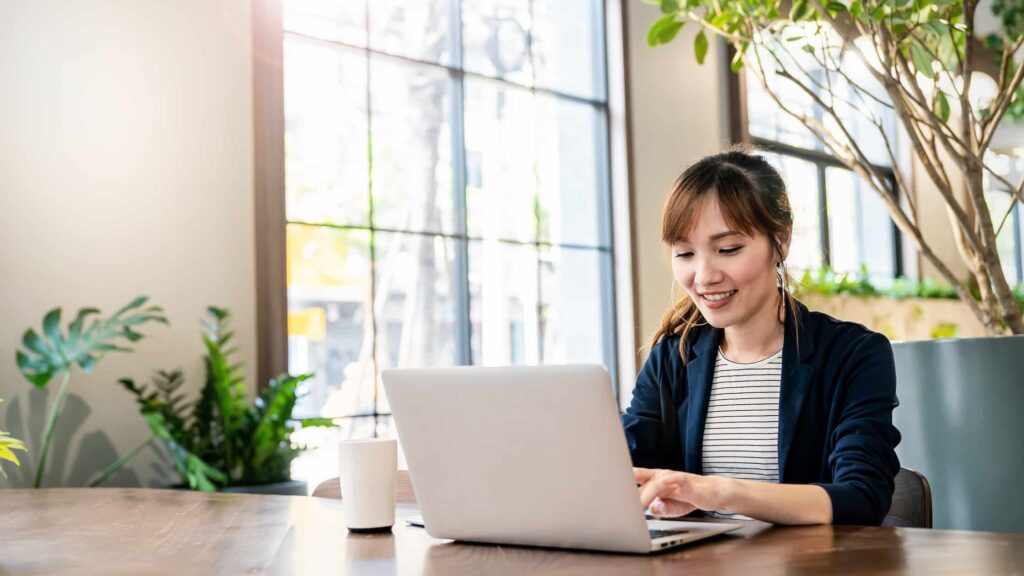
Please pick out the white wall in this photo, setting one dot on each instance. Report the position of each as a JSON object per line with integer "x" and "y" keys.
{"x": 125, "y": 168}
{"x": 679, "y": 113}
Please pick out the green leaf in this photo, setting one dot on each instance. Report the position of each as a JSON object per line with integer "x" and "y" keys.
{"x": 663, "y": 30}
{"x": 856, "y": 9}
{"x": 719, "y": 20}
{"x": 737, "y": 62}
{"x": 700, "y": 47}
{"x": 942, "y": 106}
{"x": 51, "y": 326}
{"x": 922, "y": 60}
{"x": 834, "y": 7}
{"x": 801, "y": 10}
{"x": 40, "y": 360}
{"x": 669, "y": 6}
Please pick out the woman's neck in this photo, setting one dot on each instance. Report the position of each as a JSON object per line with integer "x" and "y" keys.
{"x": 759, "y": 338}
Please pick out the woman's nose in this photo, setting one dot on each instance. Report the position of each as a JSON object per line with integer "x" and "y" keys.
{"x": 707, "y": 272}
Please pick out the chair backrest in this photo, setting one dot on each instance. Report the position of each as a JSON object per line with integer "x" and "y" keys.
{"x": 403, "y": 495}
{"x": 911, "y": 501}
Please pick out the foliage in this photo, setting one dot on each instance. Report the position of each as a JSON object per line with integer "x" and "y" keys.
{"x": 920, "y": 59}
{"x": 221, "y": 439}
{"x": 86, "y": 341}
{"x": 828, "y": 282}
{"x": 7, "y": 447}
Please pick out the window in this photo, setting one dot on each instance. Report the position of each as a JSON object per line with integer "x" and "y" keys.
{"x": 447, "y": 191}
{"x": 840, "y": 220}
{"x": 1010, "y": 241}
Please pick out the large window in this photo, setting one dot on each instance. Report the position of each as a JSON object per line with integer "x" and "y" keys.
{"x": 1006, "y": 212}
{"x": 841, "y": 222}
{"x": 447, "y": 194}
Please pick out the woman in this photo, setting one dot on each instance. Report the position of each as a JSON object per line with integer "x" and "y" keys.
{"x": 749, "y": 405}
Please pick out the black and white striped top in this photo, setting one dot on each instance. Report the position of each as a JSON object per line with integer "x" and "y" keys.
{"x": 741, "y": 432}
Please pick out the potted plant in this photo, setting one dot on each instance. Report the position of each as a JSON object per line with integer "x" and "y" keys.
{"x": 7, "y": 447}
{"x": 222, "y": 441}
{"x": 86, "y": 341}
{"x": 960, "y": 398}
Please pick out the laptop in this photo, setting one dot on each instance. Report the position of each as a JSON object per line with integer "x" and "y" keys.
{"x": 532, "y": 456}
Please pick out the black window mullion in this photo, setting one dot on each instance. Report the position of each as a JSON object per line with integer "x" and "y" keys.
{"x": 823, "y": 225}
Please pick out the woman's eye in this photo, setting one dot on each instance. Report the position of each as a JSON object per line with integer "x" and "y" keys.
{"x": 730, "y": 250}
{"x": 684, "y": 254}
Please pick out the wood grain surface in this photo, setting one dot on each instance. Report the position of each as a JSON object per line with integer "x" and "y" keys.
{"x": 150, "y": 532}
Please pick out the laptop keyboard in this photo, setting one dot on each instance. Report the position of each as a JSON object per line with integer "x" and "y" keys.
{"x": 663, "y": 533}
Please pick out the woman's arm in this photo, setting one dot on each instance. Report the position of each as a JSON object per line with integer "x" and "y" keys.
{"x": 670, "y": 493}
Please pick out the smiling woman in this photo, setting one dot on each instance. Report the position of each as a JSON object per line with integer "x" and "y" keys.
{"x": 749, "y": 405}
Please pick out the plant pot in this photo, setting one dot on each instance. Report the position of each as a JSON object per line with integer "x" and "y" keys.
{"x": 286, "y": 488}
{"x": 961, "y": 414}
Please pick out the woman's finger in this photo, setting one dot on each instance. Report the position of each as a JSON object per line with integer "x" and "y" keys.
{"x": 643, "y": 474}
{"x": 659, "y": 485}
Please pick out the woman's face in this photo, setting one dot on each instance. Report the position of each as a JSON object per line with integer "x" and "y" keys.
{"x": 730, "y": 276}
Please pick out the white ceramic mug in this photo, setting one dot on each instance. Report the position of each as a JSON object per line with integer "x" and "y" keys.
{"x": 368, "y": 473}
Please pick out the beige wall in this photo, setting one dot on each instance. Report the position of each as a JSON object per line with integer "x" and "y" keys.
{"x": 125, "y": 169}
{"x": 679, "y": 114}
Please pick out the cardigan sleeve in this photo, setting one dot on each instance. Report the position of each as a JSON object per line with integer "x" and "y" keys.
{"x": 862, "y": 446}
{"x": 650, "y": 423}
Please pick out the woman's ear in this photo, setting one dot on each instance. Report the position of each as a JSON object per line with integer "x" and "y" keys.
{"x": 784, "y": 240}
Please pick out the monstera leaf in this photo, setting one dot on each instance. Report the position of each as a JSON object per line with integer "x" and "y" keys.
{"x": 86, "y": 340}
{"x": 54, "y": 352}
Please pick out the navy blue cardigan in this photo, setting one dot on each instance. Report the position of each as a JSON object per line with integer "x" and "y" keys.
{"x": 835, "y": 411}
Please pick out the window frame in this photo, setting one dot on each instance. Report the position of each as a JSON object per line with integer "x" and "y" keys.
{"x": 269, "y": 193}
{"x": 739, "y": 133}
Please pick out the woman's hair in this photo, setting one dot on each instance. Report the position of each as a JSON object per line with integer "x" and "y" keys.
{"x": 752, "y": 197}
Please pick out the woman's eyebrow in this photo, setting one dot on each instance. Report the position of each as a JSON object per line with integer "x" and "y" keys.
{"x": 717, "y": 236}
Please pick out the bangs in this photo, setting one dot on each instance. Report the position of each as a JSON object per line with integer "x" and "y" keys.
{"x": 692, "y": 192}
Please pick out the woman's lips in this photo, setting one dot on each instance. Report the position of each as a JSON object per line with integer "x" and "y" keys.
{"x": 718, "y": 301}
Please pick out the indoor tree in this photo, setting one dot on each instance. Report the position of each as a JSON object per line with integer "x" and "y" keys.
{"x": 925, "y": 60}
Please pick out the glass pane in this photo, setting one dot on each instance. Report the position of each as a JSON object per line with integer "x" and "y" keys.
{"x": 411, "y": 127}
{"x": 571, "y": 166}
{"x": 415, "y": 302}
{"x": 329, "y": 19}
{"x": 503, "y": 306}
{"x": 801, "y": 179}
{"x": 768, "y": 121}
{"x": 860, "y": 230}
{"x": 501, "y": 180}
{"x": 413, "y": 28}
{"x": 330, "y": 329}
{"x": 568, "y": 47}
{"x": 999, "y": 203}
{"x": 859, "y": 106}
{"x": 326, "y": 162}
{"x": 575, "y": 307}
{"x": 496, "y": 39}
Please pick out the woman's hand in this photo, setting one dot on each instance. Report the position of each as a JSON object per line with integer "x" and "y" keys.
{"x": 671, "y": 493}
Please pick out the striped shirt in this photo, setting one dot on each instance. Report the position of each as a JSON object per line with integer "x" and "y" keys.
{"x": 741, "y": 432}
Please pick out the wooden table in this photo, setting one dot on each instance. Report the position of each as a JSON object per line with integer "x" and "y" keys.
{"x": 141, "y": 532}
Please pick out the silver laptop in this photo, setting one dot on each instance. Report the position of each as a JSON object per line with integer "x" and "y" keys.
{"x": 526, "y": 455}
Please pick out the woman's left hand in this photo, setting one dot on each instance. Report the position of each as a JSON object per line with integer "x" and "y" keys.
{"x": 671, "y": 493}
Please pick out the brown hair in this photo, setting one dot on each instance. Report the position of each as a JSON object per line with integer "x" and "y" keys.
{"x": 753, "y": 199}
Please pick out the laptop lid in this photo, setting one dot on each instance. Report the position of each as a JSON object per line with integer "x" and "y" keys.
{"x": 519, "y": 455}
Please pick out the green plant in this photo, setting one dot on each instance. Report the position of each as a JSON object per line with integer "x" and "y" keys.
{"x": 921, "y": 58}
{"x": 221, "y": 439}
{"x": 828, "y": 282}
{"x": 86, "y": 342}
{"x": 7, "y": 447}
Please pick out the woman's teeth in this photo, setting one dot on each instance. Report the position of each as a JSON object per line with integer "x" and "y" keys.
{"x": 718, "y": 297}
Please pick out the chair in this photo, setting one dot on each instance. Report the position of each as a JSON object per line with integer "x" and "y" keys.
{"x": 403, "y": 495}
{"x": 911, "y": 501}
